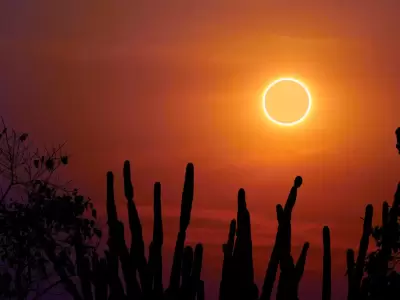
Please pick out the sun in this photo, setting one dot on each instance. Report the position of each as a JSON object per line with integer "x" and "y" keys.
{"x": 286, "y": 101}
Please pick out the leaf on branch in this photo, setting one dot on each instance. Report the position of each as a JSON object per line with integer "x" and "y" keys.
{"x": 97, "y": 232}
{"x": 50, "y": 164}
{"x": 36, "y": 163}
{"x": 79, "y": 200}
{"x": 64, "y": 160}
{"x": 23, "y": 137}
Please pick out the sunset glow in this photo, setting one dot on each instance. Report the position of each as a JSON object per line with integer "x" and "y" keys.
{"x": 163, "y": 83}
{"x": 287, "y": 101}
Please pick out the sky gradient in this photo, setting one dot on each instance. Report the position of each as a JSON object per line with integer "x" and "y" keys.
{"x": 162, "y": 83}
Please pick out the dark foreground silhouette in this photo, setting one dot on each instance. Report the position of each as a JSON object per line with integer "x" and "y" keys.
{"x": 126, "y": 273}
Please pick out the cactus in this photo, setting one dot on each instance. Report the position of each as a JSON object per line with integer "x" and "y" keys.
{"x": 133, "y": 260}
{"x": 186, "y": 209}
{"x": 155, "y": 253}
{"x": 187, "y": 265}
{"x": 99, "y": 277}
{"x": 355, "y": 270}
{"x": 290, "y": 274}
{"x": 137, "y": 251}
{"x": 382, "y": 280}
{"x": 117, "y": 244}
{"x": 84, "y": 276}
{"x": 227, "y": 265}
{"x": 327, "y": 261}
{"x": 242, "y": 253}
{"x": 272, "y": 269}
{"x": 200, "y": 290}
{"x": 237, "y": 269}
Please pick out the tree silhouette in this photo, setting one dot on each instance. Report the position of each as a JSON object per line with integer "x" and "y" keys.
{"x": 42, "y": 225}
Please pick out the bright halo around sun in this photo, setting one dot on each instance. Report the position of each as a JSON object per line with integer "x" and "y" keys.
{"x": 287, "y": 101}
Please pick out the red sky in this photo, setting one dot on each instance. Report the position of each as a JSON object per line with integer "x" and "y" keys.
{"x": 162, "y": 83}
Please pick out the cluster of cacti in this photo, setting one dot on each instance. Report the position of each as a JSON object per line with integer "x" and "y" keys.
{"x": 142, "y": 277}
{"x": 370, "y": 277}
{"x": 382, "y": 280}
{"x": 237, "y": 270}
{"x": 237, "y": 280}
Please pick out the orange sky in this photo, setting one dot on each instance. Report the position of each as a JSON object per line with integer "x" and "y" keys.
{"x": 162, "y": 84}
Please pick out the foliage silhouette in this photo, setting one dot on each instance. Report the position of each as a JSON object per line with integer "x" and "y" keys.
{"x": 41, "y": 223}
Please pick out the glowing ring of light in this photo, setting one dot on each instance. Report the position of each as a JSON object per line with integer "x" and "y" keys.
{"x": 308, "y": 96}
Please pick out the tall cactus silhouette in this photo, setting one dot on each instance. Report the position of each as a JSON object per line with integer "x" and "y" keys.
{"x": 243, "y": 252}
{"x": 174, "y": 291}
{"x": 327, "y": 264}
{"x": 99, "y": 277}
{"x": 104, "y": 275}
{"x": 355, "y": 269}
{"x": 237, "y": 269}
{"x": 186, "y": 209}
{"x": 290, "y": 274}
{"x": 226, "y": 292}
{"x": 155, "y": 254}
